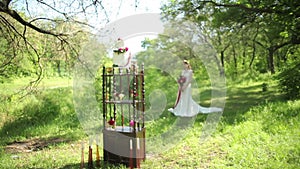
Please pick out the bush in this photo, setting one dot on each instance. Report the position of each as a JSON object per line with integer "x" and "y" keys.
{"x": 289, "y": 82}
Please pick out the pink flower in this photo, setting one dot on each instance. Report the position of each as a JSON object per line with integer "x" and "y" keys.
{"x": 131, "y": 123}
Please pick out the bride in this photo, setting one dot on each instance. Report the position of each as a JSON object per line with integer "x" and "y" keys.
{"x": 185, "y": 106}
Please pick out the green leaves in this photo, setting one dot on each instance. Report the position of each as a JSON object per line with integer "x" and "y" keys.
{"x": 244, "y": 29}
{"x": 289, "y": 81}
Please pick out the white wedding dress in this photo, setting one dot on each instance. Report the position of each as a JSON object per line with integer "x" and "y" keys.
{"x": 186, "y": 106}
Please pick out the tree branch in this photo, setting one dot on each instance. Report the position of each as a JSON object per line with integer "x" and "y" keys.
{"x": 244, "y": 7}
{"x": 18, "y": 18}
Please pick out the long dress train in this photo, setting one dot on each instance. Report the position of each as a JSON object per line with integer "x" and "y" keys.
{"x": 186, "y": 106}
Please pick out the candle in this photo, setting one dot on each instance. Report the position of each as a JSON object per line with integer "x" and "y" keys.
{"x": 130, "y": 144}
{"x": 90, "y": 159}
{"x": 138, "y": 152}
{"x": 131, "y": 154}
{"x": 97, "y": 152}
{"x": 82, "y": 156}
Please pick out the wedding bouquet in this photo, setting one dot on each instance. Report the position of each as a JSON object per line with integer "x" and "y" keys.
{"x": 181, "y": 80}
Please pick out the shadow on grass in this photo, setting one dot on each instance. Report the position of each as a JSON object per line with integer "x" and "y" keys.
{"x": 239, "y": 100}
{"x": 242, "y": 99}
{"x": 31, "y": 145}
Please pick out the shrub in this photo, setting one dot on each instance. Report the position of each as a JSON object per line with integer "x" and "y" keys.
{"x": 289, "y": 81}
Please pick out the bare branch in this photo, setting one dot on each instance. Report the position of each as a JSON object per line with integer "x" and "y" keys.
{"x": 53, "y": 8}
{"x": 102, "y": 7}
{"x": 17, "y": 17}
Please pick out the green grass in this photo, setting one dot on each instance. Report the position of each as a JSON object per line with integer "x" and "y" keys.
{"x": 50, "y": 111}
{"x": 257, "y": 130}
{"x": 266, "y": 137}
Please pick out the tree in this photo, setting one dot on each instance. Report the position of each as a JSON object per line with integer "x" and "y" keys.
{"x": 45, "y": 32}
{"x": 273, "y": 25}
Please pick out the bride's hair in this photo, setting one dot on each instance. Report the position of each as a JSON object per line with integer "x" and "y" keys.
{"x": 187, "y": 63}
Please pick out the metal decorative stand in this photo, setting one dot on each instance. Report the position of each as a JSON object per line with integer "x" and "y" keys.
{"x": 123, "y": 115}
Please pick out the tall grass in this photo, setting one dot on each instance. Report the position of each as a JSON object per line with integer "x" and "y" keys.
{"x": 44, "y": 113}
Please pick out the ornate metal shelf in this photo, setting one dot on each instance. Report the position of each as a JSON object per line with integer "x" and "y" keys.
{"x": 124, "y": 131}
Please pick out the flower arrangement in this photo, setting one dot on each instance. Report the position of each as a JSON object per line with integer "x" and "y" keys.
{"x": 119, "y": 47}
{"x": 121, "y": 50}
{"x": 131, "y": 123}
{"x": 111, "y": 121}
{"x": 181, "y": 80}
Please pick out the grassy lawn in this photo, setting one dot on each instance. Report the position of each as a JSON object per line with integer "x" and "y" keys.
{"x": 257, "y": 130}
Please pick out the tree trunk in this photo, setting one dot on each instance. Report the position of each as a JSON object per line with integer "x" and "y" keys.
{"x": 235, "y": 61}
{"x": 58, "y": 67}
{"x": 244, "y": 56}
{"x": 221, "y": 69}
{"x": 222, "y": 58}
{"x": 253, "y": 54}
{"x": 271, "y": 60}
